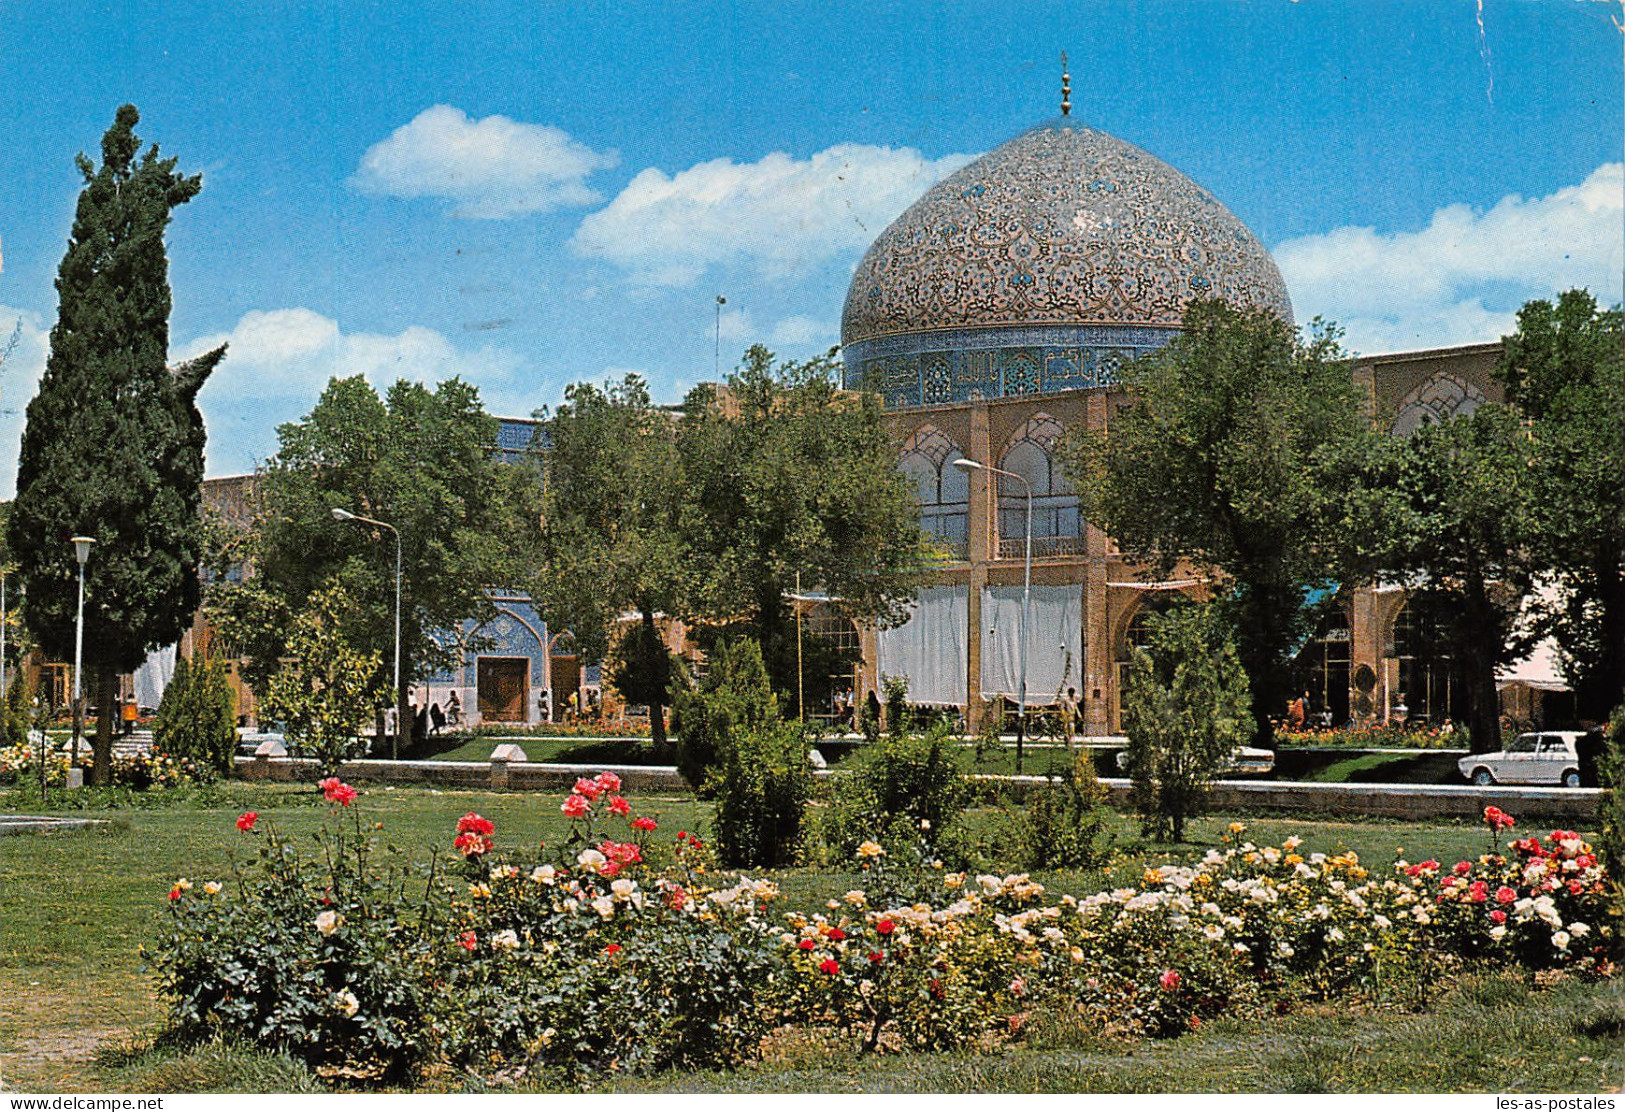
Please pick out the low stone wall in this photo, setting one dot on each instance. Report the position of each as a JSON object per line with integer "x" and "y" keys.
{"x": 1575, "y": 806}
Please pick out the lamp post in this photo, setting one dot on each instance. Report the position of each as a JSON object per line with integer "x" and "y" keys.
{"x": 346, "y": 515}
{"x": 81, "y": 553}
{"x": 1026, "y": 601}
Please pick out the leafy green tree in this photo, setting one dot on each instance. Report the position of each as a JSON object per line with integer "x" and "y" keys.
{"x": 420, "y": 459}
{"x": 788, "y": 474}
{"x": 1228, "y": 459}
{"x": 763, "y": 783}
{"x": 327, "y": 688}
{"x": 611, "y": 538}
{"x": 113, "y": 447}
{"x": 1185, "y": 712}
{"x": 1563, "y": 370}
{"x": 1450, "y": 512}
{"x": 197, "y": 717}
{"x": 734, "y": 694}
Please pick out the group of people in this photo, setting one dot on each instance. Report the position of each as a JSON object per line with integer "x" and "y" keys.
{"x": 431, "y": 719}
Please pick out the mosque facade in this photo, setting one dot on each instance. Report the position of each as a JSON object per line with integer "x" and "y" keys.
{"x": 992, "y": 316}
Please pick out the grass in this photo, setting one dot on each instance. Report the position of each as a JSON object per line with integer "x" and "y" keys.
{"x": 76, "y": 1010}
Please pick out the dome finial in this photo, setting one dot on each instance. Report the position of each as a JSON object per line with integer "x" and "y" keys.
{"x": 1066, "y": 88}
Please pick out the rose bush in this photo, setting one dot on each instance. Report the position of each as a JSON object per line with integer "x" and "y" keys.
{"x": 586, "y": 958}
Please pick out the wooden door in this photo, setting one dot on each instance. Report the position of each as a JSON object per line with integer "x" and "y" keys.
{"x": 504, "y": 687}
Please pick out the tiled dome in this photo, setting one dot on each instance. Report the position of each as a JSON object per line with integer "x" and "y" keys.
{"x": 1063, "y": 225}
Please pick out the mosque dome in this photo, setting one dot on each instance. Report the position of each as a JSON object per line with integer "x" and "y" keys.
{"x": 1067, "y": 249}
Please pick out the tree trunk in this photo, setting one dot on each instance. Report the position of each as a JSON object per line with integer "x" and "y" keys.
{"x": 1603, "y": 688}
{"x": 656, "y": 648}
{"x": 101, "y": 771}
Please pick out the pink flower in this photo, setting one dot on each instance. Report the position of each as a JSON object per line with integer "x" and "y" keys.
{"x": 1169, "y": 979}
{"x": 247, "y": 819}
{"x": 619, "y": 806}
{"x": 475, "y": 824}
{"x": 1478, "y": 891}
{"x": 1462, "y": 868}
{"x": 588, "y": 788}
{"x": 644, "y": 824}
{"x": 1505, "y": 895}
{"x": 1498, "y": 916}
{"x": 1497, "y": 819}
{"x": 829, "y": 966}
{"x": 607, "y": 782}
{"x": 337, "y": 791}
{"x": 576, "y": 807}
{"x": 473, "y": 845}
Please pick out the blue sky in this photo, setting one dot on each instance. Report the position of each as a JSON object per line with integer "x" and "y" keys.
{"x": 534, "y": 194}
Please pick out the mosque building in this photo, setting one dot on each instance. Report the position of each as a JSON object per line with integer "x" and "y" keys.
{"x": 992, "y": 317}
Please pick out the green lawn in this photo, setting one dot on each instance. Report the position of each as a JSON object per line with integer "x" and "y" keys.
{"x": 74, "y": 908}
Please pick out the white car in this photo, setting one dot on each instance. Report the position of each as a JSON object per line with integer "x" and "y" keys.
{"x": 1548, "y": 757}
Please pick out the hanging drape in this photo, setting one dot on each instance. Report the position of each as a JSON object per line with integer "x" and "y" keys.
{"x": 929, "y": 648}
{"x": 153, "y": 676}
{"x": 1054, "y": 642}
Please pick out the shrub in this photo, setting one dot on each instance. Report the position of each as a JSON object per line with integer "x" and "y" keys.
{"x": 197, "y": 720}
{"x": 896, "y": 700}
{"x": 734, "y": 693}
{"x": 16, "y": 709}
{"x": 897, "y": 791}
{"x": 1064, "y": 825}
{"x": 1185, "y": 712}
{"x": 323, "y": 959}
{"x": 762, "y": 789}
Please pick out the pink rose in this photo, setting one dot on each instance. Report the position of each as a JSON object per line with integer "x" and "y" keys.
{"x": 1169, "y": 979}
{"x": 608, "y": 782}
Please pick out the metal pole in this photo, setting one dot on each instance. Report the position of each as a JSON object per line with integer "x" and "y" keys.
{"x": 1026, "y": 605}
{"x": 801, "y": 690}
{"x": 2, "y": 635}
{"x": 78, "y": 656}
{"x": 395, "y": 741}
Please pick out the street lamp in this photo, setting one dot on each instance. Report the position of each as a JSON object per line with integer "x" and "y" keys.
{"x": 1026, "y": 601}
{"x": 81, "y": 552}
{"x": 346, "y": 515}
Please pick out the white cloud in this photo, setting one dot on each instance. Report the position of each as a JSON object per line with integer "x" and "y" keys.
{"x": 803, "y": 331}
{"x": 1462, "y": 278}
{"x": 279, "y": 361}
{"x": 20, "y": 376}
{"x": 735, "y": 324}
{"x": 782, "y": 216}
{"x": 491, "y": 169}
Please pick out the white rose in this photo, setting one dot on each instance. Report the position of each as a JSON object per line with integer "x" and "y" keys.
{"x": 347, "y": 1003}
{"x": 590, "y": 858}
{"x": 604, "y": 906}
{"x": 623, "y": 888}
{"x": 544, "y": 874}
{"x": 505, "y": 940}
{"x": 328, "y": 922}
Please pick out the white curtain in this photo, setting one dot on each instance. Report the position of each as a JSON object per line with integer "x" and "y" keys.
{"x": 930, "y": 648}
{"x": 1054, "y": 642}
{"x": 153, "y": 676}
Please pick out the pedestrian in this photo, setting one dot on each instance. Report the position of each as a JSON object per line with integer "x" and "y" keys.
{"x": 437, "y": 719}
{"x": 454, "y": 711}
{"x": 1069, "y": 715}
{"x": 544, "y": 711}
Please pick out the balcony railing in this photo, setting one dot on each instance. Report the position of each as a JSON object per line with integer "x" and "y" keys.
{"x": 1015, "y": 548}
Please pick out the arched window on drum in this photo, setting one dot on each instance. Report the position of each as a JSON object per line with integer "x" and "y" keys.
{"x": 1057, "y": 528}
{"x": 943, "y": 489}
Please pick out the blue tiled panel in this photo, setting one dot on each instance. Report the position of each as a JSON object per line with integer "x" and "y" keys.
{"x": 954, "y": 366}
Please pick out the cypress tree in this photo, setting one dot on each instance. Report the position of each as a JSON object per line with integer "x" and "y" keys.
{"x": 113, "y": 446}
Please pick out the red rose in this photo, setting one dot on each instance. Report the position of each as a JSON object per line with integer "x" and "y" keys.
{"x": 836, "y": 934}
{"x": 1462, "y": 868}
{"x": 877, "y": 957}
{"x": 247, "y": 819}
{"x": 175, "y": 893}
{"x": 588, "y": 788}
{"x": 806, "y": 944}
{"x": 1169, "y": 979}
{"x": 644, "y": 824}
{"x": 468, "y": 941}
{"x": 1498, "y": 916}
{"x": 475, "y": 824}
{"x": 612, "y": 949}
{"x": 619, "y": 806}
{"x": 682, "y": 835}
{"x": 473, "y": 845}
{"x": 1505, "y": 895}
{"x": 607, "y": 782}
{"x": 337, "y": 791}
{"x": 885, "y": 926}
{"x": 576, "y": 807}
{"x": 829, "y": 966}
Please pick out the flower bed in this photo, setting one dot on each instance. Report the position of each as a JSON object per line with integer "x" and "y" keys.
{"x": 19, "y": 764}
{"x": 587, "y": 957}
{"x": 1386, "y": 735}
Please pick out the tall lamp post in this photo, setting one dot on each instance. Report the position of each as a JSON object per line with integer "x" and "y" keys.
{"x": 1026, "y": 601}
{"x": 81, "y": 553}
{"x": 346, "y": 515}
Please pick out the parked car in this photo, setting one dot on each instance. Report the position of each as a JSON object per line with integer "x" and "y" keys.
{"x": 248, "y": 741}
{"x": 1245, "y": 761}
{"x": 1547, "y": 757}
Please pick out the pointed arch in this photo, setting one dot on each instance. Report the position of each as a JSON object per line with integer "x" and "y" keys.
{"x": 1440, "y": 398}
{"x": 943, "y": 490}
{"x": 1030, "y": 452}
